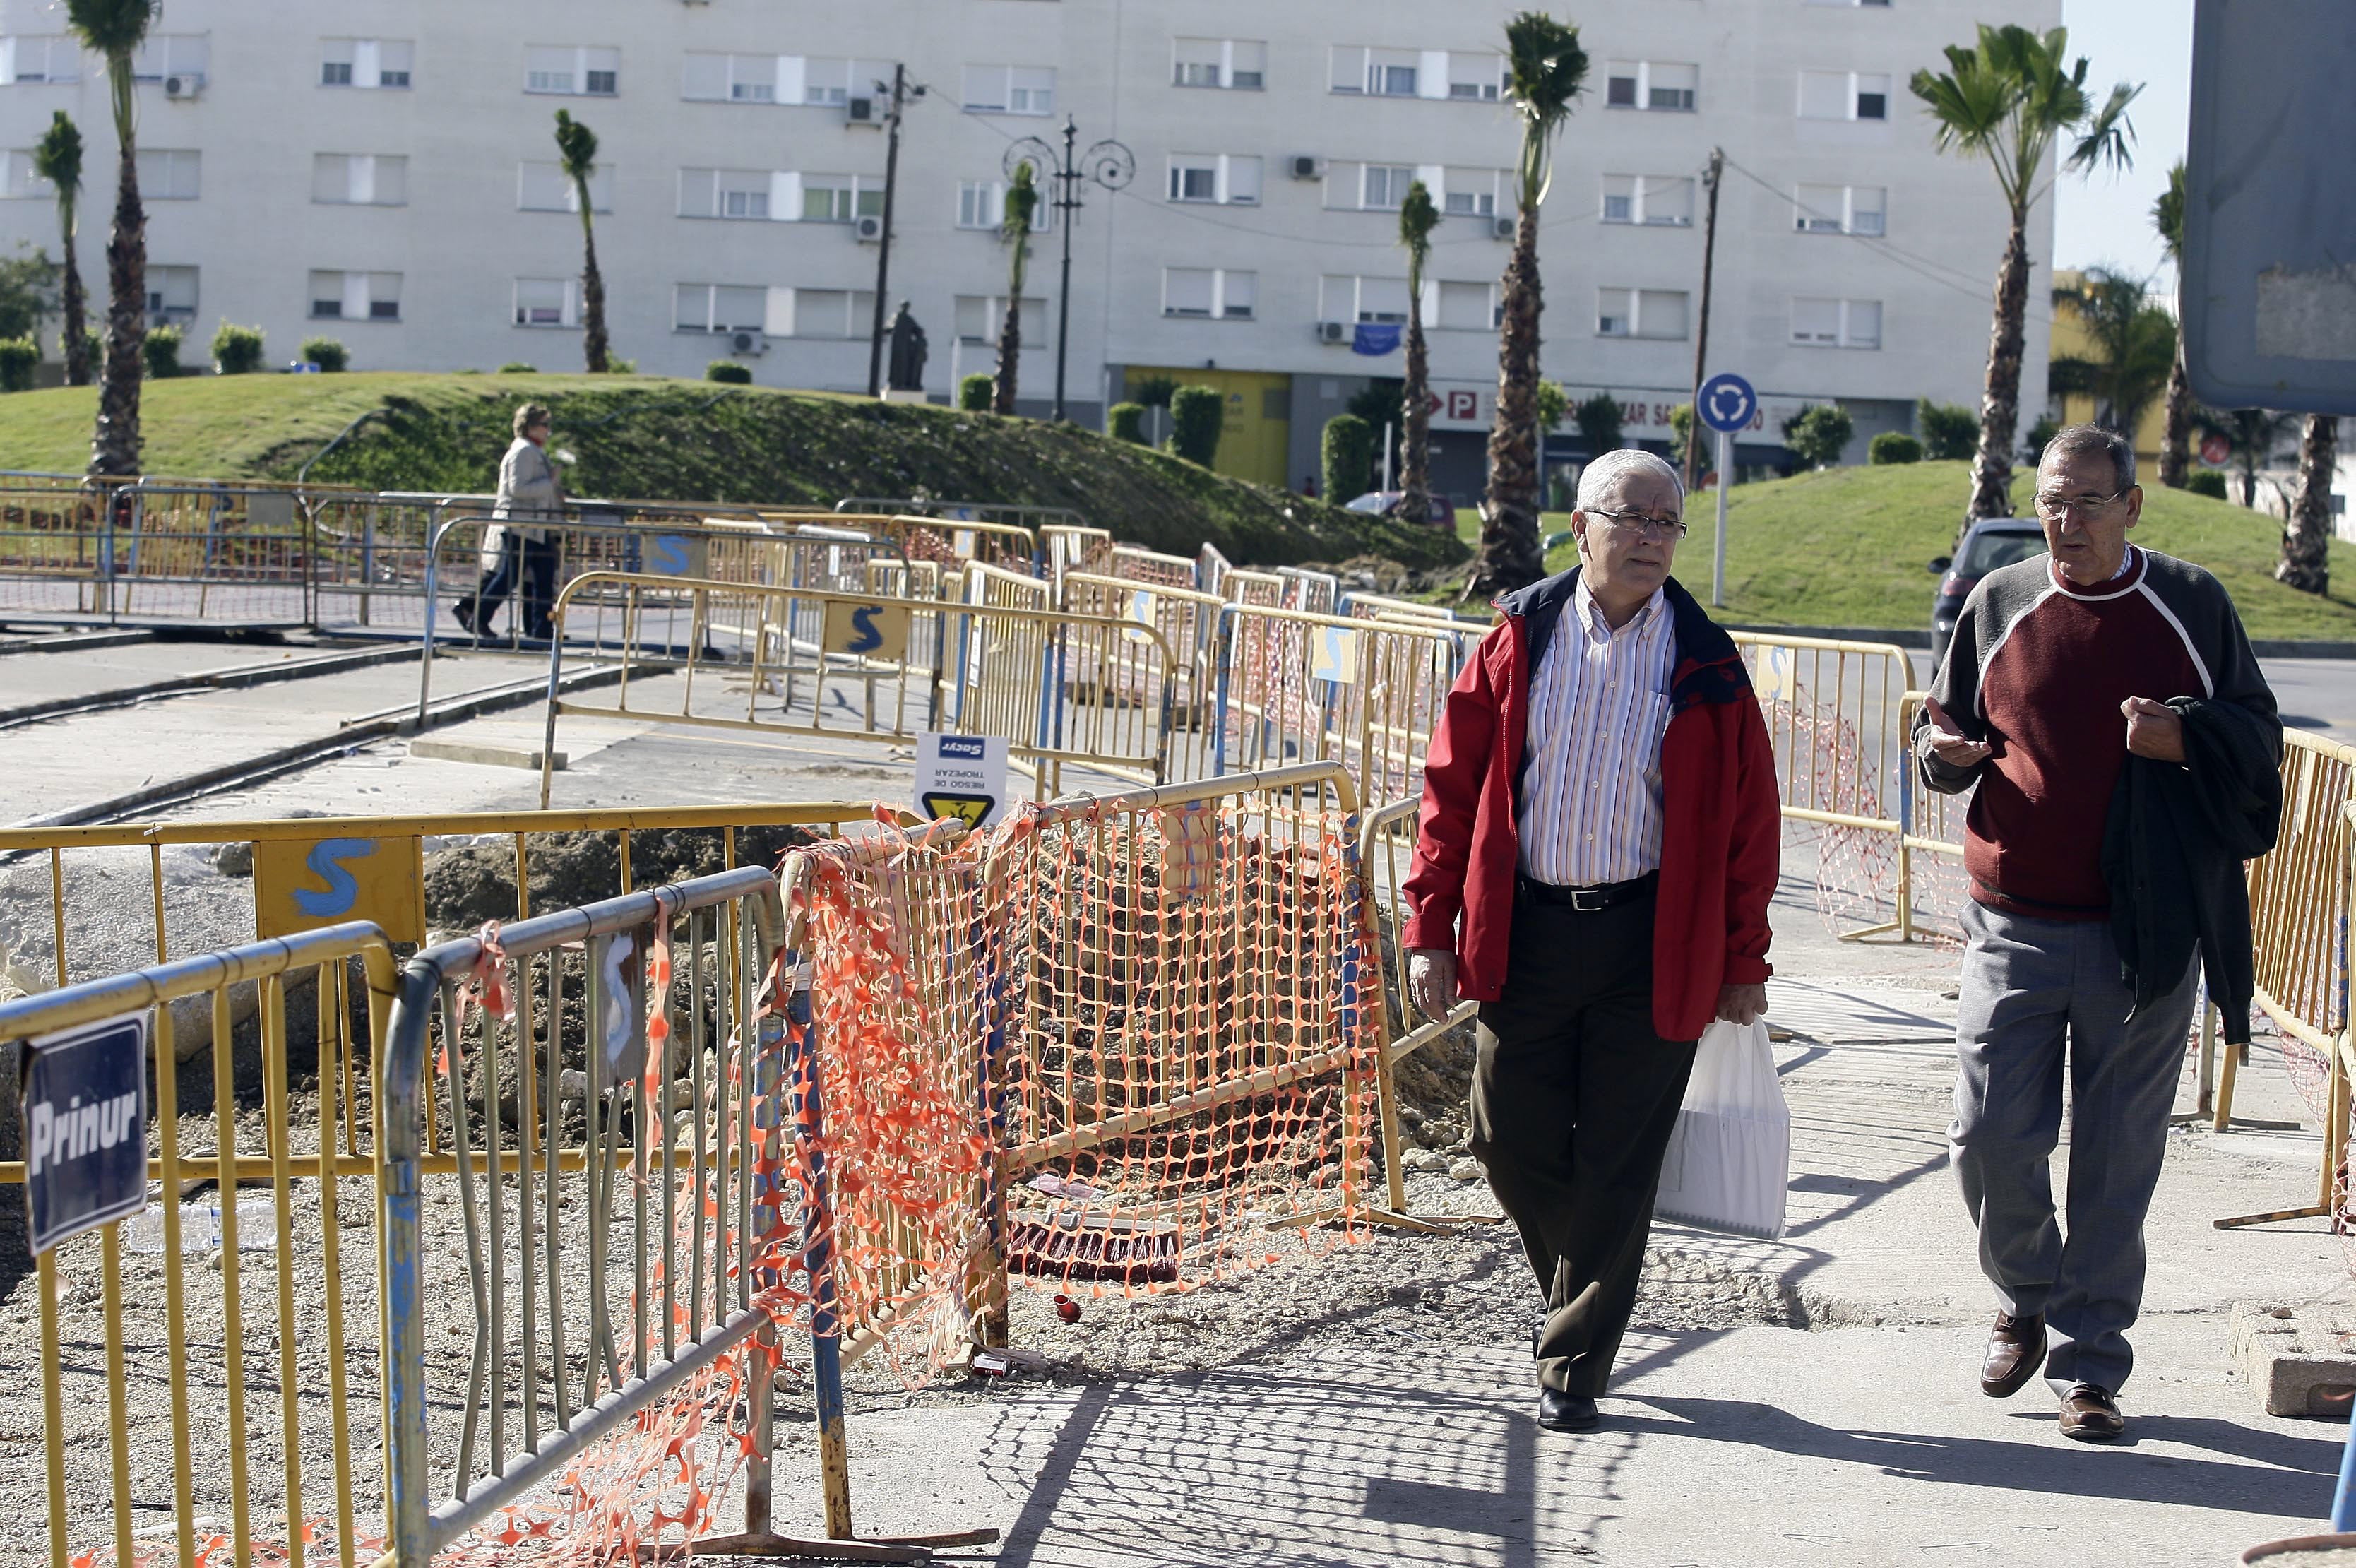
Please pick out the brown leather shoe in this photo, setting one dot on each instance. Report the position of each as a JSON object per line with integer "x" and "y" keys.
{"x": 2090, "y": 1414}
{"x": 2016, "y": 1351}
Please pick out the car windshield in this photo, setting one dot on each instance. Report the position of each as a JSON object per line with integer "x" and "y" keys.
{"x": 1984, "y": 552}
{"x": 1373, "y": 500}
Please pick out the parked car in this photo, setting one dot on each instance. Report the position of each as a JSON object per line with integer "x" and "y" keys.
{"x": 1385, "y": 503}
{"x": 1988, "y": 543}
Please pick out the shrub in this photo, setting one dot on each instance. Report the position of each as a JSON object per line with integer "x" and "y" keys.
{"x": 518, "y": 368}
{"x": 1819, "y": 434}
{"x": 17, "y": 357}
{"x": 2206, "y": 482}
{"x": 617, "y": 366}
{"x": 728, "y": 370}
{"x": 1553, "y": 405}
{"x": 1347, "y": 455}
{"x": 163, "y": 350}
{"x": 1949, "y": 430}
{"x": 1196, "y": 416}
{"x": 1893, "y": 446}
{"x": 1681, "y": 433}
{"x": 326, "y": 353}
{"x": 1128, "y": 422}
{"x": 1598, "y": 419}
{"x": 976, "y": 392}
{"x": 96, "y": 341}
{"x": 237, "y": 349}
{"x": 1153, "y": 392}
{"x": 2032, "y": 445}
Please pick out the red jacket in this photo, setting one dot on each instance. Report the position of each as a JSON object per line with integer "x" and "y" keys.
{"x": 1720, "y": 834}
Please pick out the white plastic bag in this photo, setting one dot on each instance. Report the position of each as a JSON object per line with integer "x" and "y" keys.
{"x": 1730, "y": 1157}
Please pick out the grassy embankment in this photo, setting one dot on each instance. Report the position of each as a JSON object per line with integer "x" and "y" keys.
{"x": 651, "y": 438}
{"x": 1849, "y": 547}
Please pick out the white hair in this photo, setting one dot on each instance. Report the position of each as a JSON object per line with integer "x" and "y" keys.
{"x": 1598, "y": 476}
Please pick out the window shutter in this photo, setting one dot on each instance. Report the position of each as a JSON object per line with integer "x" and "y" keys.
{"x": 1432, "y": 74}
{"x": 330, "y": 180}
{"x": 704, "y": 77}
{"x": 391, "y": 181}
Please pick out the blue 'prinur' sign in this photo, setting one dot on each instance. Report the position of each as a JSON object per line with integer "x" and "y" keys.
{"x": 85, "y": 1128}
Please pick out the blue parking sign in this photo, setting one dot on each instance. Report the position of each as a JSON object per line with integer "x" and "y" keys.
{"x": 85, "y": 1128}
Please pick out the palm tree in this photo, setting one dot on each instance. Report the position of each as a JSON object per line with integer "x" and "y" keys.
{"x": 2252, "y": 436}
{"x": 1545, "y": 71}
{"x": 1418, "y": 219}
{"x": 115, "y": 29}
{"x": 2176, "y": 443}
{"x": 59, "y": 160}
{"x": 2134, "y": 341}
{"x": 2306, "y": 563}
{"x": 576, "y": 144}
{"x": 1022, "y": 203}
{"x": 2008, "y": 100}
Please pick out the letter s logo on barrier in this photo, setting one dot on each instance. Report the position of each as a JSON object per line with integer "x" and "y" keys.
{"x": 866, "y": 637}
{"x": 323, "y": 862}
{"x": 670, "y": 551}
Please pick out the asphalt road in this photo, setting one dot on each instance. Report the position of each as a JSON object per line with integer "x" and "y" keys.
{"x": 2317, "y": 695}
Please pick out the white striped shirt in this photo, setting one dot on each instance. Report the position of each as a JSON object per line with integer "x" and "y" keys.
{"x": 1590, "y": 805}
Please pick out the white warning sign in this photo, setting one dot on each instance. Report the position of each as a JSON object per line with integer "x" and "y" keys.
{"x": 961, "y": 776}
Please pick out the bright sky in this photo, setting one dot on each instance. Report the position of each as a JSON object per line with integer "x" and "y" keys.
{"x": 2106, "y": 219}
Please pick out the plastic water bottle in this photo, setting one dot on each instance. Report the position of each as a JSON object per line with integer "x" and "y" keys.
{"x": 200, "y": 1227}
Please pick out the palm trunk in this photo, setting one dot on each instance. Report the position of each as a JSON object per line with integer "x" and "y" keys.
{"x": 2249, "y": 483}
{"x": 594, "y": 346}
{"x": 1009, "y": 352}
{"x": 2000, "y": 397}
{"x": 1510, "y": 556}
{"x": 2306, "y": 562}
{"x": 77, "y": 310}
{"x": 114, "y": 449}
{"x": 1415, "y": 416}
{"x": 2176, "y": 444}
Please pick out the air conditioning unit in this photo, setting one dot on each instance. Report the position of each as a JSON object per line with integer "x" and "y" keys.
{"x": 867, "y": 228}
{"x": 1305, "y": 167}
{"x": 1502, "y": 228}
{"x": 748, "y": 344}
{"x": 1332, "y": 332}
{"x": 861, "y": 112}
{"x": 189, "y": 84}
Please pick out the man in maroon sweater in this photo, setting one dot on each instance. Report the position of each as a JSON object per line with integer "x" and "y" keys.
{"x": 2061, "y": 668}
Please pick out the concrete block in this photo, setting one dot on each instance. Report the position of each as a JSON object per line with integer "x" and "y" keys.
{"x": 480, "y": 753}
{"x": 2301, "y": 1359}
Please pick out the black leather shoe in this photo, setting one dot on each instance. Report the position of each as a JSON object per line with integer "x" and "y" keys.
{"x": 1565, "y": 1413}
{"x": 2016, "y": 1352}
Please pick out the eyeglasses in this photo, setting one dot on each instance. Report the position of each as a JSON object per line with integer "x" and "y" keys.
{"x": 2057, "y": 508}
{"x": 1661, "y": 528}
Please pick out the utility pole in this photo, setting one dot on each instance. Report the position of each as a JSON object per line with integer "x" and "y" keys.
{"x": 901, "y": 93}
{"x": 1709, "y": 176}
{"x": 1109, "y": 165}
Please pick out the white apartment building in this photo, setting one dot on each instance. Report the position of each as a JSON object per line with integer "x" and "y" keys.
{"x": 384, "y": 171}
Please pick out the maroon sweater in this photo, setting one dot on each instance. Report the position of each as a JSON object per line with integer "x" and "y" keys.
{"x": 2038, "y": 669}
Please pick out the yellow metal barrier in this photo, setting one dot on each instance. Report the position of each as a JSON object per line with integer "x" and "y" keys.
{"x": 188, "y": 1373}
{"x": 1136, "y": 564}
{"x": 1188, "y": 621}
{"x": 1262, "y": 590}
{"x": 1070, "y": 547}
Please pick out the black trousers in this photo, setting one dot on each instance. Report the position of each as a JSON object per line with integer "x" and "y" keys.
{"x": 526, "y": 570}
{"x": 1574, "y": 1098}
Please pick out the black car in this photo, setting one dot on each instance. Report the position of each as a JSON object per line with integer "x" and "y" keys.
{"x": 1987, "y": 544}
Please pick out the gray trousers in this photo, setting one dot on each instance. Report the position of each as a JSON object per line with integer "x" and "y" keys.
{"x": 2028, "y": 986}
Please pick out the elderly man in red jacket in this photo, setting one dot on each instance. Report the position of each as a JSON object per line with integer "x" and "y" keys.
{"x": 1594, "y": 856}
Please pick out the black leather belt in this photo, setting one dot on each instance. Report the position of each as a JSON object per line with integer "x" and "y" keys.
{"x": 1588, "y": 900}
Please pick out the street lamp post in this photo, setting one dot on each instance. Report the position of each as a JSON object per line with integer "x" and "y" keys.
{"x": 1106, "y": 163}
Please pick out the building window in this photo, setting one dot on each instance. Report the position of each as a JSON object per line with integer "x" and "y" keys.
{"x": 1465, "y": 307}
{"x": 982, "y": 204}
{"x": 1213, "y": 292}
{"x": 979, "y": 318}
{"x": 355, "y": 296}
{"x": 1010, "y": 90}
{"x": 1836, "y": 323}
{"x": 1648, "y": 198}
{"x": 1843, "y": 96}
{"x": 1234, "y": 63}
{"x": 1651, "y": 84}
{"x": 1345, "y": 298}
{"x": 165, "y": 56}
{"x": 1468, "y": 192}
{"x": 359, "y": 180}
{"x": 365, "y": 62}
{"x": 1384, "y": 188}
{"x": 548, "y": 301}
{"x": 562, "y": 68}
{"x": 779, "y": 78}
{"x": 171, "y": 295}
{"x": 756, "y": 195}
{"x": 1839, "y": 210}
{"x": 1215, "y": 178}
{"x": 18, "y": 178}
{"x": 546, "y": 188}
{"x": 168, "y": 174}
{"x": 1475, "y": 77}
{"x": 827, "y": 313}
{"x": 840, "y": 197}
{"x": 39, "y": 57}
{"x": 720, "y": 307}
{"x": 838, "y": 81}
{"x": 1640, "y": 312}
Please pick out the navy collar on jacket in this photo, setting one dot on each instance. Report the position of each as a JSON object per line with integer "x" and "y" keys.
{"x": 1708, "y": 668}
